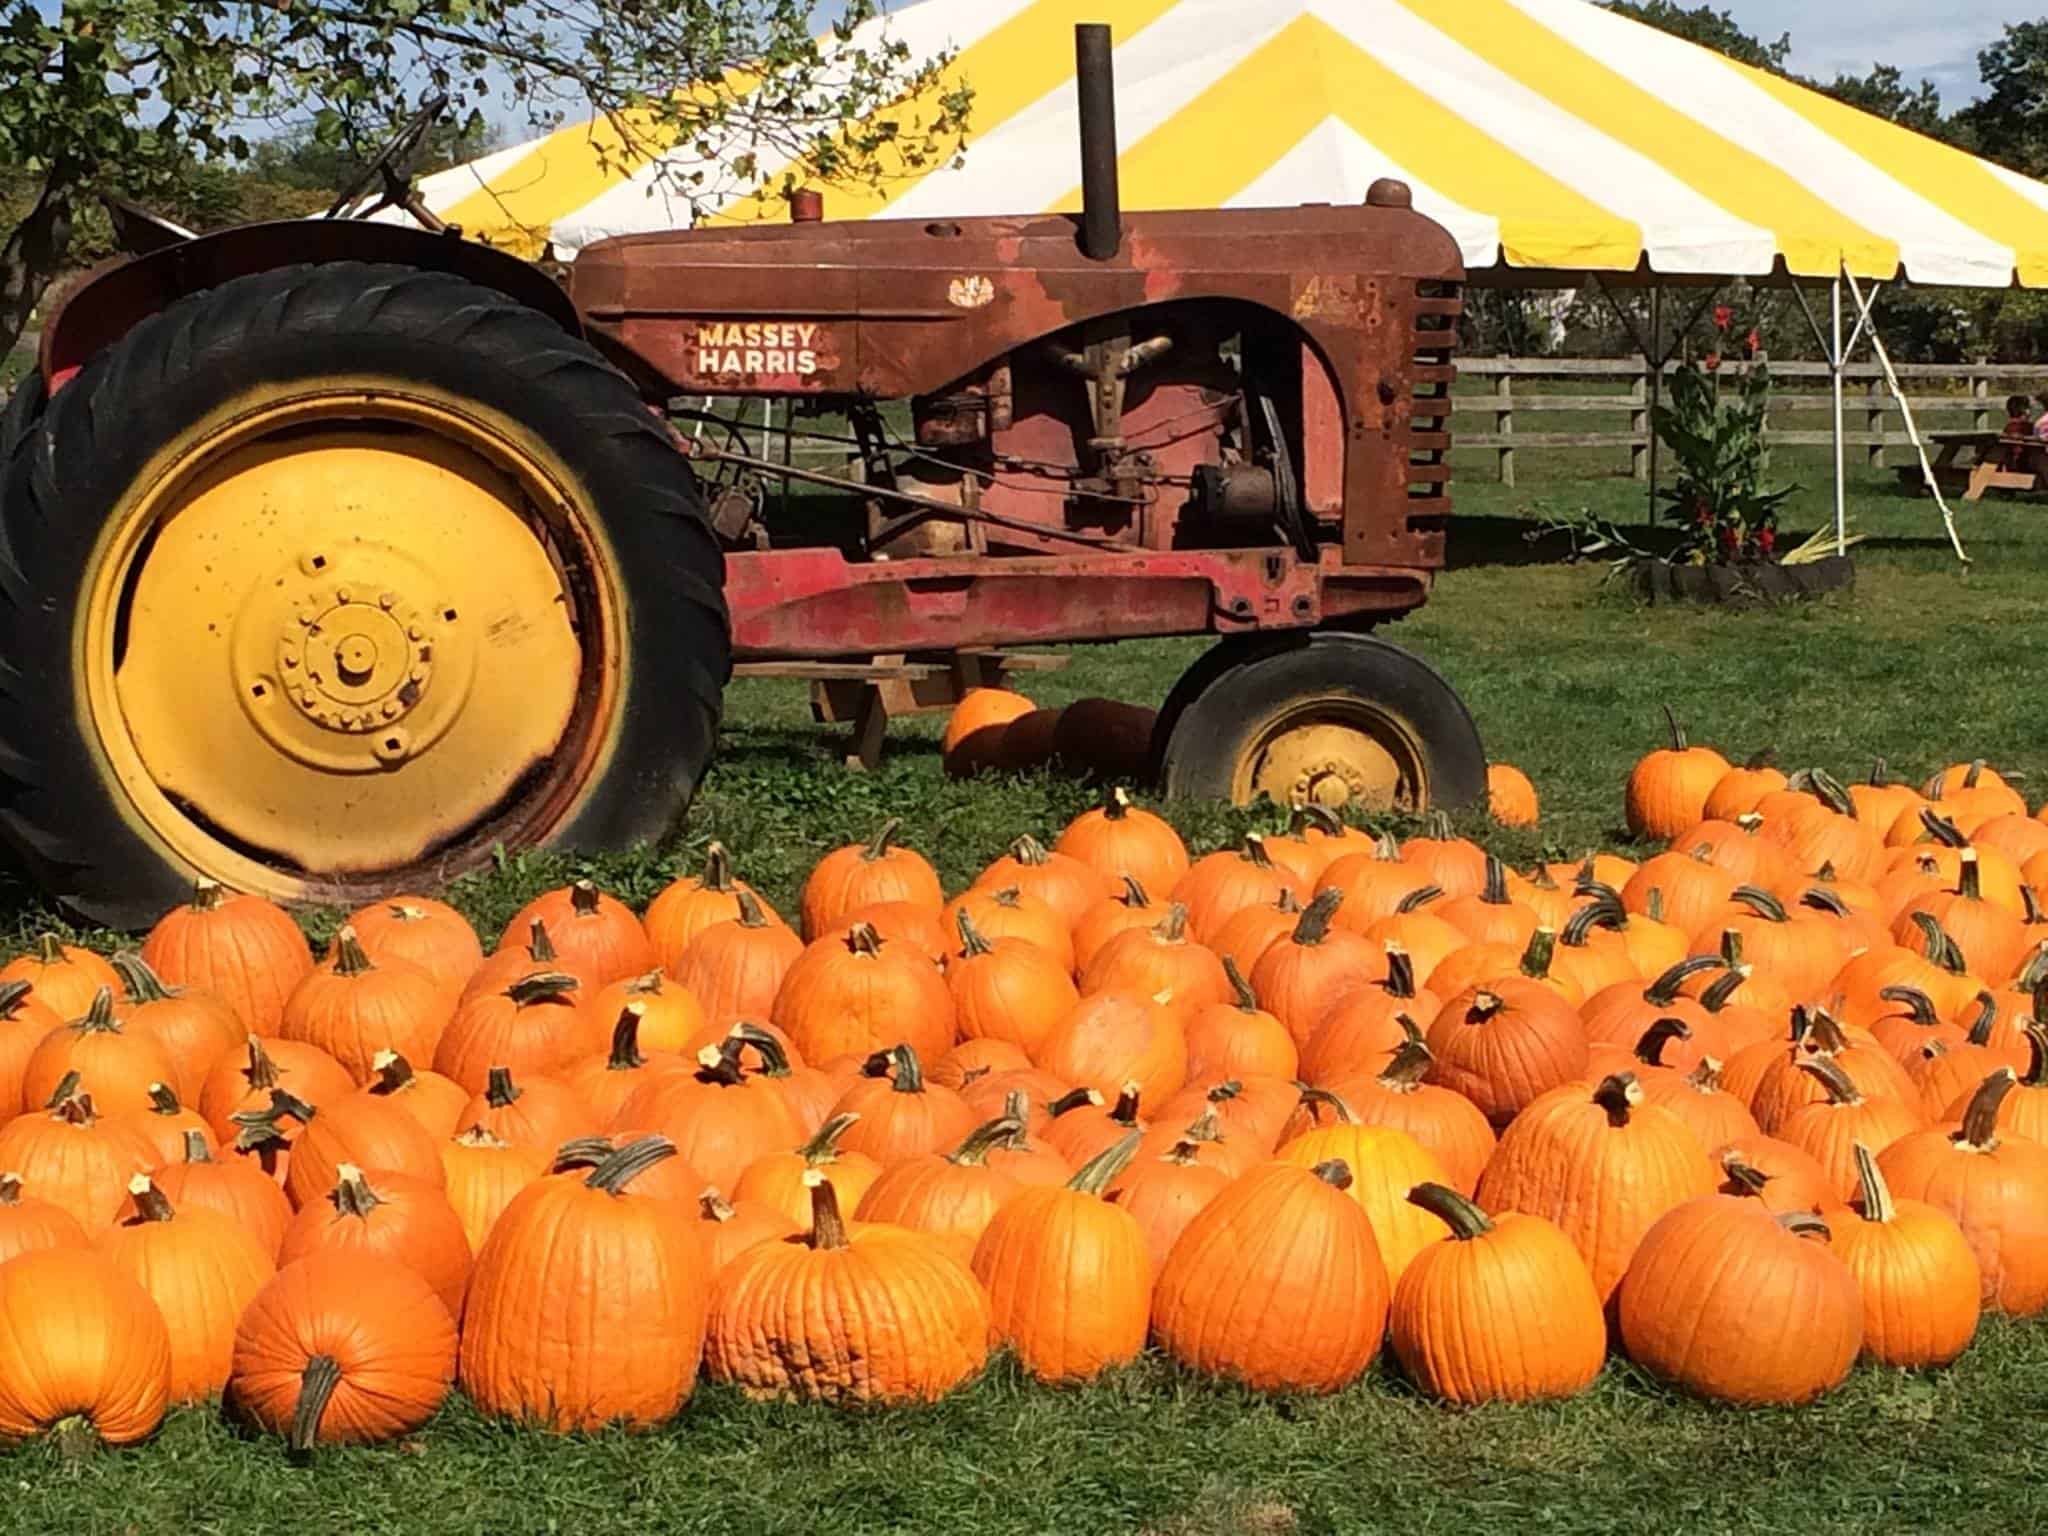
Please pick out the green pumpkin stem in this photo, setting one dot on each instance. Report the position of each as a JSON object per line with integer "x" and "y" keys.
{"x": 1716, "y": 997}
{"x": 1980, "y": 1116}
{"x": 752, "y": 1037}
{"x": 584, "y": 899}
{"x": 1254, "y": 851}
{"x": 1417, "y": 899}
{"x": 900, "y": 1064}
{"x": 540, "y": 947}
{"x": 66, "y": 1100}
{"x": 973, "y": 1151}
{"x": 1536, "y": 958}
{"x": 1841, "y": 1088}
{"x": 1495, "y": 891}
{"x": 500, "y": 1092}
{"x": 1464, "y": 1217}
{"x": 1969, "y": 879}
{"x": 1245, "y": 1000}
{"x": 99, "y": 1015}
{"x": 1677, "y": 730}
{"x": 972, "y": 942}
{"x": 1073, "y": 1099}
{"x": 1979, "y": 1032}
{"x": 208, "y": 895}
{"x": 878, "y": 845}
{"x": 151, "y": 1204}
{"x": 1313, "y": 926}
{"x": 1650, "y": 1046}
{"x": 1806, "y": 1224}
{"x": 748, "y": 913}
{"x": 614, "y": 1172}
{"x": 1874, "y": 1198}
{"x": 1665, "y": 990}
{"x": 1941, "y": 829}
{"x": 823, "y": 1148}
{"x": 1706, "y": 1077}
{"x": 316, "y": 1386}
{"x": 1761, "y": 902}
{"x": 1407, "y": 1067}
{"x": 349, "y": 959}
{"x": 1125, "y": 1110}
{"x": 1919, "y": 1006}
{"x": 163, "y": 1100}
{"x": 1941, "y": 949}
{"x": 1093, "y": 1176}
{"x": 1743, "y": 1177}
{"x": 196, "y": 1150}
{"x": 1316, "y": 1100}
{"x": 542, "y": 987}
{"x": 1134, "y": 896}
{"x": 2037, "y": 1053}
{"x": 1618, "y": 1093}
{"x": 1029, "y": 851}
{"x": 138, "y": 980}
{"x": 1172, "y": 928}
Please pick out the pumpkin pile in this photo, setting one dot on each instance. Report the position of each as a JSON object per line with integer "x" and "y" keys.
{"x": 1000, "y": 730}
{"x": 1759, "y": 1104}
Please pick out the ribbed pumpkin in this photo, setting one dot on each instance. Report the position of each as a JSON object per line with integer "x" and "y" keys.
{"x": 1244, "y": 938}
{"x": 514, "y": 962}
{"x": 1159, "y": 962}
{"x": 1164, "y": 1191}
{"x": 1278, "y": 1231}
{"x": 897, "y": 1114}
{"x": 533, "y": 1026}
{"x": 1130, "y": 907}
{"x": 334, "y": 1351}
{"x": 234, "y": 1186}
{"x": 1310, "y": 970}
{"x": 64, "y": 976}
{"x": 23, "y": 1023}
{"x": 1237, "y": 1038}
{"x": 1123, "y": 840}
{"x": 1023, "y": 1156}
{"x": 971, "y": 1061}
{"x": 241, "y": 1083}
{"x": 1713, "y": 1114}
{"x": 201, "y": 1269}
{"x": 596, "y": 934}
{"x": 1111, "y": 1038}
{"x": 628, "y": 1351}
{"x": 1252, "y": 1111}
{"x": 951, "y": 1195}
{"x": 28, "y": 1224}
{"x": 1776, "y": 1174}
{"x": 1426, "y": 938}
{"x": 1915, "y": 1270}
{"x": 1691, "y": 890}
{"x": 1375, "y": 882}
{"x": 81, "y": 1341}
{"x": 1668, "y": 788}
{"x": 847, "y": 1314}
{"x": 1491, "y": 916}
{"x": 483, "y": 1174}
{"x": 908, "y": 923}
{"x": 671, "y": 1019}
{"x": 728, "y": 1229}
{"x": 1455, "y": 865}
{"x": 1993, "y": 940}
{"x": 363, "y": 1129}
{"x": 686, "y": 907}
{"x": 113, "y": 1063}
{"x": 1737, "y": 791}
{"x": 606, "y": 1080}
{"x": 862, "y": 874}
{"x": 1219, "y": 885}
{"x": 1446, "y": 1123}
{"x": 1835, "y": 1127}
{"x": 2024, "y": 1109}
{"x": 1355, "y": 1038}
{"x": 1736, "y": 1305}
{"x": 863, "y": 994}
{"x": 1061, "y": 881}
{"x": 1085, "y": 1121}
{"x": 244, "y": 950}
{"x": 778, "y": 1179}
{"x": 166, "y": 1123}
{"x": 382, "y": 1215}
{"x": 420, "y": 931}
{"x": 196, "y": 1029}
{"x": 529, "y": 1111}
{"x": 353, "y": 1009}
{"x": 74, "y": 1158}
{"x": 973, "y": 738}
{"x": 1505, "y": 1045}
{"x": 1994, "y": 1186}
{"x": 1317, "y": 837}
{"x": 435, "y": 1101}
{"x": 1385, "y": 1164}
{"x": 1007, "y": 990}
{"x": 720, "y": 1117}
{"x": 1510, "y": 797}
{"x": 1504, "y": 1312}
{"x": 736, "y": 969}
{"x": 1602, "y": 1165}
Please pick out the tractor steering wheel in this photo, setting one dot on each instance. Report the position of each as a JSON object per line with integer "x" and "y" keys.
{"x": 388, "y": 164}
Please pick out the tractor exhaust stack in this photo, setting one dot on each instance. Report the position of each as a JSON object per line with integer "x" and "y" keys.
{"x": 1102, "y": 230}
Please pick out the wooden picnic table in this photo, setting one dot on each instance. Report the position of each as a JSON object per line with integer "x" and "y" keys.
{"x": 1985, "y": 468}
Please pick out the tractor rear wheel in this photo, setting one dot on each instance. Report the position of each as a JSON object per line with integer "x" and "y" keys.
{"x": 334, "y": 579}
{"x": 1341, "y": 720}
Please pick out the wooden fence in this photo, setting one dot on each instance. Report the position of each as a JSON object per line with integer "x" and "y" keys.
{"x": 1500, "y": 388}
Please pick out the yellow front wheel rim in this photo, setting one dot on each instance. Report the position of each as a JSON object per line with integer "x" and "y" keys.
{"x": 343, "y": 631}
{"x": 1334, "y": 750}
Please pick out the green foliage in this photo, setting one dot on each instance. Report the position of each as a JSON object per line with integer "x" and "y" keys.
{"x": 1716, "y": 438}
{"x": 1709, "y": 28}
{"x": 2009, "y": 123}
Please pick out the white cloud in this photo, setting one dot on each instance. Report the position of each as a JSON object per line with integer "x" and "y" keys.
{"x": 1937, "y": 42}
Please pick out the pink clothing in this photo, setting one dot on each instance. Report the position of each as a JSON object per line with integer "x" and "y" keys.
{"x": 2041, "y": 427}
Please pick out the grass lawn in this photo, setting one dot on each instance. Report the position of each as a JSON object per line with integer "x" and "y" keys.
{"x": 1925, "y": 663}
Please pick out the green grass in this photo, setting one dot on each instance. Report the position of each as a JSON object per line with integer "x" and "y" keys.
{"x": 1924, "y": 663}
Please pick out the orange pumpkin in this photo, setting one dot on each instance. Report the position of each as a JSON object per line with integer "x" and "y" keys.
{"x": 1165, "y": 1190}
{"x": 862, "y": 994}
{"x": 1443, "y": 1122}
{"x": 1159, "y": 962}
{"x": 234, "y": 1186}
{"x": 28, "y": 1224}
{"x": 1007, "y": 990}
{"x": 377, "y": 1216}
{"x": 241, "y": 1083}
{"x": 534, "y": 1026}
{"x": 1111, "y": 1038}
{"x": 1219, "y": 885}
{"x": 1062, "y": 882}
{"x": 952, "y": 1195}
{"x": 1009, "y": 913}
{"x": 735, "y": 969}
{"x": 861, "y": 874}
{"x": 671, "y": 1019}
{"x": 1915, "y": 1271}
{"x": 531, "y": 1111}
{"x": 1505, "y": 1045}
{"x": 597, "y": 935}
{"x": 1510, "y": 797}
{"x": 719, "y": 1118}
{"x": 73, "y": 1158}
{"x": 1123, "y": 841}
{"x": 196, "y": 1029}
{"x": 1238, "y": 1038}
{"x": 1312, "y": 969}
{"x": 115, "y": 1065}
{"x": 354, "y": 1009}
{"x": 1374, "y": 883}
{"x": 897, "y": 1115}
{"x": 483, "y": 1175}
{"x": 65, "y": 976}
{"x": 84, "y": 1343}
{"x": 420, "y": 931}
{"x": 1356, "y": 1037}
{"x": 244, "y": 950}
{"x": 973, "y": 738}
{"x": 686, "y": 907}
{"x": 24, "y": 1022}
{"x": 363, "y": 1129}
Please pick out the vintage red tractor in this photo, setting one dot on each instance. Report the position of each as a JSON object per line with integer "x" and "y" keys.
{"x": 337, "y": 554}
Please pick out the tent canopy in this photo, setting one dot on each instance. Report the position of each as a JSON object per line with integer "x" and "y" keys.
{"x": 1545, "y": 134}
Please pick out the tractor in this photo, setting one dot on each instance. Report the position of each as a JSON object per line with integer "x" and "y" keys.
{"x": 339, "y": 554}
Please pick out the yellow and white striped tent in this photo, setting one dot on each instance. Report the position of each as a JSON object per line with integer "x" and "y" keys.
{"x": 1545, "y": 134}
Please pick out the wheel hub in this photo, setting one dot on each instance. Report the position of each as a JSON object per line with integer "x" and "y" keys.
{"x": 1336, "y": 754}
{"x": 357, "y": 664}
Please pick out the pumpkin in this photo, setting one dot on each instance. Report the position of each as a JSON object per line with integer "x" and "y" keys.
{"x": 1736, "y": 1305}
{"x": 64, "y": 976}
{"x": 1910, "y": 1023}
{"x": 435, "y": 1101}
{"x": 1068, "y": 1274}
{"x": 1915, "y": 1271}
{"x": 84, "y": 1343}
{"x": 1618, "y": 1014}
{"x": 1007, "y": 990}
{"x": 1992, "y": 940}
{"x": 28, "y": 1224}
{"x": 1106, "y": 738}
{"x": 847, "y": 1314}
{"x": 1081, "y": 1125}
{"x": 1736, "y": 847}
{"x": 1164, "y": 1190}
{"x": 1125, "y": 841}
{"x": 1692, "y": 890}
{"x": 244, "y": 950}
{"x": 1238, "y": 1038}
{"x": 605, "y": 1081}
{"x": 75, "y": 1159}
{"x": 419, "y": 931}
{"x": 1713, "y": 1114}
{"x": 1229, "y": 1155}
{"x": 669, "y": 1020}
{"x": 1668, "y": 788}
{"x": 1426, "y": 938}
{"x": 381, "y": 1215}
{"x": 1510, "y": 797}
{"x": 596, "y": 935}
{"x": 1128, "y": 908}
{"x": 1477, "y": 964}
{"x": 951, "y": 1195}
{"x": 778, "y": 1180}
{"x": 1738, "y": 791}
{"x": 242, "y": 1083}
{"x": 685, "y": 908}
{"x": 2024, "y": 1110}
{"x": 1801, "y": 953}
{"x": 719, "y": 1118}
{"x": 535, "y": 1026}
{"x": 1111, "y": 1038}
{"x": 1784, "y": 1087}
{"x": 1252, "y": 1111}
{"x": 1994, "y": 1187}
{"x": 235, "y": 1187}
{"x": 628, "y": 1349}
{"x": 1445, "y": 1123}
{"x": 1491, "y": 915}
{"x": 529, "y": 1111}
{"x": 1601, "y": 1164}
{"x": 1280, "y": 1231}
{"x": 972, "y": 1061}
{"x": 1027, "y": 741}
{"x": 1243, "y": 939}
{"x": 1385, "y": 1164}
{"x": 810, "y": 1092}
{"x": 736, "y": 969}
{"x": 1219, "y": 885}
{"x": 24, "y": 1022}
{"x": 1023, "y": 1156}
{"x": 1879, "y": 802}
{"x": 1355, "y": 1038}
{"x": 670, "y": 1178}
{"x": 861, "y": 874}
{"x": 730, "y": 1229}
{"x": 1313, "y": 968}
{"x": 482, "y": 1175}
{"x": 115, "y": 1065}
{"x": 354, "y": 1009}
{"x": 195, "y": 1029}
{"x": 1833, "y": 1129}
{"x": 1159, "y": 962}
{"x": 1062, "y": 882}
{"x": 1776, "y": 1174}
{"x": 974, "y": 733}
{"x": 336, "y": 1351}
{"x": 363, "y": 1129}
{"x": 862, "y": 994}
{"x": 201, "y": 1269}
{"x": 166, "y": 1124}
{"x": 1374, "y": 881}
{"x": 1505, "y": 1045}
{"x": 1504, "y": 1312}
{"x": 1946, "y": 1072}
{"x": 899, "y": 1115}
{"x": 514, "y": 962}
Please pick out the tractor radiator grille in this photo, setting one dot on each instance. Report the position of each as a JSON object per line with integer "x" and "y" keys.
{"x": 1437, "y": 307}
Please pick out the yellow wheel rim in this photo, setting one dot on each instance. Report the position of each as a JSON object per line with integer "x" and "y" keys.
{"x": 347, "y": 630}
{"x": 1334, "y": 750}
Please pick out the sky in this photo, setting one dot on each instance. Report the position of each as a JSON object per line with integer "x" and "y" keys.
{"x": 1936, "y": 40}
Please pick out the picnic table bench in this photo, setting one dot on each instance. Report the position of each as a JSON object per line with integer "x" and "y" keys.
{"x": 1985, "y": 468}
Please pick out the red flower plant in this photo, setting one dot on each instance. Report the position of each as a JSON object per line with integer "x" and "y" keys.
{"x": 1724, "y": 316}
{"x": 1711, "y": 362}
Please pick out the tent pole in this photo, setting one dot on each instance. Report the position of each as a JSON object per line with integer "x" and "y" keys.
{"x": 1653, "y": 359}
{"x": 1835, "y": 362}
{"x": 1891, "y": 377}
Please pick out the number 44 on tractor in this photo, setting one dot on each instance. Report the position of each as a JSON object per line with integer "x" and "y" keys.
{"x": 339, "y": 553}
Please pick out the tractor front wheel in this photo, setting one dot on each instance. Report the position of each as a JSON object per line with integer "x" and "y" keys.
{"x": 334, "y": 579}
{"x": 1340, "y": 720}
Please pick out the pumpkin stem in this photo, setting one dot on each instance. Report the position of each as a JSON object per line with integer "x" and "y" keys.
{"x": 259, "y": 1127}
{"x": 1314, "y": 924}
{"x": 12, "y": 995}
{"x": 774, "y": 1059}
{"x": 1536, "y": 958}
{"x": 1172, "y": 928}
{"x": 500, "y": 1092}
{"x": 1225, "y": 1091}
{"x": 349, "y": 959}
{"x": 262, "y": 1071}
{"x": 973, "y": 1151}
{"x": 1987, "y": 1015}
{"x": 1761, "y": 902}
{"x": 1094, "y": 1175}
{"x": 713, "y": 1206}
{"x": 540, "y": 947}
{"x": 1255, "y": 851}
{"x": 1116, "y": 802}
{"x": 542, "y": 987}
{"x": 1072, "y": 1099}
{"x": 878, "y": 845}
{"x": 1246, "y": 1000}
{"x": 1578, "y": 928}
{"x": 1941, "y": 829}
{"x": 99, "y": 1016}
{"x": 1840, "y": 1086}
{"x": 1746, "y": 1178}
{"x": 1650, "y": 1047}
{"x": 972, "y": 943}
{"x": 1716, "y": 997}
{"x": 70, "y": 1103}
{"x": 1134, "y": 895}
{"x": 1706, "y": 1077}
{"x": 1806, "y": 1224}
{"x": 394, "y": 1073}
{"x": 208, "y": 895}
{"x": 1822, "y": 1032}
{"x": 1653, "y": 904}
{"x": 828, "y": 1227}
{"x": 824, "y": 1147}
{"x": 1618, "y": 1093}
{"x": 1204, "y": 1128}
{"x": 2037, "y": 1053}
{"x": 721, "y": 1063}
{"x": 863, "y": 940}
{"x": 1416, "y": 900}
{"x": 749, "y": 914}
{"x": 1875, "y": 1197}
{"x": 1400, "y": 980}
{"x": 1028, "y": 850}
{"x": 1731, "y": 947}
{"x": 1407, "y": 1067}
{"x": 583, "y": 898}
{"x": 151, "y": 1204}
{"x": 1465, "y": 1219}
{"x": 1336, "y": 1173}
{"x": 1677, "y": 730}
{"x": 1973, "y": 773}
{"x": 1969, "y": 880}
{"x": 1495, "y": 891}
{"x": 1827, "y": 789}
{"x": 1821, "y": 899}
{"x": 138, "y": 980}
{"x": 581, "y": 1152}
{"x": 1880, "y": 774}
{"x": 1317, "y": 1099}
{"x": 1664, "y": 991}
{"x": 630, "y": 1161}
{"x": 625, "y": 1055}
{"x": 196, "y": 1150}
{"x": 477, "y": 1136}
{"x": 163, "y": 1100}
{"x": 316, "y": 1385}
{"x": 717, "y": 874}
{"x": 1385, "y": 850}
{"x": 899, "y": 1063}
{"x": 10, "y": 1189}
{"x": 352, "y": 1195}
{"x": 1485, "y": 1006}
{"x": 1980, "y": 1116}
{"x": 1125, "y": 1110}
{"x": 1411, "y": 1032}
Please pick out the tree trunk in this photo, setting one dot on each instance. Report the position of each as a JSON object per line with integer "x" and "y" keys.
{"x": 33, "y": 253}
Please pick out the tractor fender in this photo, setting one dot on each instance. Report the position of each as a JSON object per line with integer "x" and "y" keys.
{"x": 108, "y": 301}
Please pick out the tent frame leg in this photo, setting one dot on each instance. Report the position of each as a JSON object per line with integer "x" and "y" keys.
{"x": 1656, "y": 356}
{"x": 1891, "y": 377}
